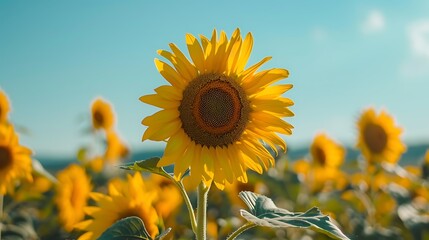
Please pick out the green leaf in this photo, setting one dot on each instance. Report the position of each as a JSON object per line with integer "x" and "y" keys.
{"x": 150, "y": 165}
{"x": 131, "y": 228}
{"x": 264, "y": 212}
{"x": 163, "y": 234}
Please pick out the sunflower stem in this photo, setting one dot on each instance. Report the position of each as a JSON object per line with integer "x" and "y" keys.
{"x": 188, "y": 205}
{"x": 202, "y": 211}
{"x": 243, "y": 228}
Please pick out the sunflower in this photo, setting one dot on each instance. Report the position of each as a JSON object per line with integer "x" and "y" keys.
{"x": 4, "y": 107}
{"x": 379, "y": 137}
{"x": 323, "y": 172}
{"x": 325, "y": 152}
{"x": 15, "y": 160}
{"x": 215, "y": 112}
{"x": 169, "y": 198}
{"x": 125, "y": 199}
{"x": 72, "y": 195}
{"x": 116, "y": 149}
{"x": 33, "y": 189}
{"x": 102, "y": 114}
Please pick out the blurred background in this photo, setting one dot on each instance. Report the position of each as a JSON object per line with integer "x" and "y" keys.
{"x": 57, "y": 56}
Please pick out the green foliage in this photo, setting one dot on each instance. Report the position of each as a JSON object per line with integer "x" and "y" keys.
{"x": 131, "y": 228}
{"x": 150, "y": 165}
{"x": 264, "y": 212}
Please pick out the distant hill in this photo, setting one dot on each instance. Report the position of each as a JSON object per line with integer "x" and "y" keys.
{"x": 413, "y": 156}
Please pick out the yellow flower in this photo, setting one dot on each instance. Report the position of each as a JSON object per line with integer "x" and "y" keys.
{"x": 215, "y": 112}
{"x": 4, "y": 107}
{"x": 15, "y": 160}
{"x": 96, "y": 164}
{"x": 379, "y": 137}
{"x": 72, "y": 195}
{"x": 102, "y": 114}
{"x": 116, "y": 149}
{"x": 323, "y": 173}
{"x": 169, "y": 198}
{"x": 327, "y": 153}
{"x": 33, "y": 189}
{"x": 320, "y": 179}
{"x": 125, "y": 199}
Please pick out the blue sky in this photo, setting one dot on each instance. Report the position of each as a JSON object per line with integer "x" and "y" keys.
{"x": 343, "y": 56}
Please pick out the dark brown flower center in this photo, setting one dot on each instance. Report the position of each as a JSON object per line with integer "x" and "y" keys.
{"x": 5, "y": 157}
{"x": 319, "y": 156}
{"x": 98, "y": 118}
{"x": 214, "y": 110}
{"x": 375, "y": 137}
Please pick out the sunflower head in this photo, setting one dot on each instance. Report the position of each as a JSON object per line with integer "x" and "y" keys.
{"x": 15, "y": 160}
{"x": 72, "y": 195}
{"x": 326, "y": 152}
{"x": 379, "y": 138}
{"x": 116, "y": 149}
{"x": 215, "y": 112}
{"x": 125, "y": 198}
{"x": 102, "y": 114}
{"x": 169, "y": 197}
{"x": 4, "y": 107}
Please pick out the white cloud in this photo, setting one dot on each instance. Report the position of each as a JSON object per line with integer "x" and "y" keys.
{"x": 418, "y": 34}
{"x": 417, "y": 63}
{"x": 319, "y": 34}
{"x": 374, "y": 22}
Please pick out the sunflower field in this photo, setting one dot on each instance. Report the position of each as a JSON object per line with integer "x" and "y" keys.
{"x": 225, "y": 172}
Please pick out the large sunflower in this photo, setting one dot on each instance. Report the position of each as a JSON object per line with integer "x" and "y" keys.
{"x": 15, "y": 160}
{"x": 72, "y": 195}
{"x": 326, "y": 152}
{"x": 379, "y": 137}
{"x": 125, "y": 199}
{"x": 102, "y": 114}
{"x": 4, "y": 107}
{"x": 216, "y": 112}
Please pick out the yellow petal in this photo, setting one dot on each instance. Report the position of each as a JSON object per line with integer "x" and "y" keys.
{"x": 176, "y": 146}
{"x": 224, "y": 162}
{"x": 157, "y": 101}
{"x": 246, "y": 49}
{"x": 195, "y": 51}
{"x": 251, "y": 70}
{"x": 170, "y": 74}
{"x": 184, "y": 162}
{"x": 183, "y": 61}
{"x": 197, "y": 165}
{"x": 161, "y": 117}
{"x": 169, "y": 92}
{"x": 160, "y": 133}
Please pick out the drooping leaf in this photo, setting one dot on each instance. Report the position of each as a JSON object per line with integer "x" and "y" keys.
{"x": 163, "y": 234}
{"x": 150, "y": 165}
{"x": 131, "y": 228}
{"x": 264, "y": 212}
